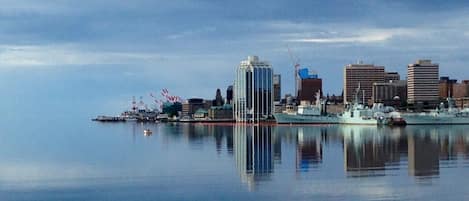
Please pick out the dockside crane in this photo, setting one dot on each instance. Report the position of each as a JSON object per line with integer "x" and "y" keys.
{"x": 296, "y": 65}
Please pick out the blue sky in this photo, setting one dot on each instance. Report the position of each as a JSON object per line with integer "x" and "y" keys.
{"x": 201, "y": 42}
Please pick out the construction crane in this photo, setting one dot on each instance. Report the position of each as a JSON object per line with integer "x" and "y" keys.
{"x": 296, "y": 65}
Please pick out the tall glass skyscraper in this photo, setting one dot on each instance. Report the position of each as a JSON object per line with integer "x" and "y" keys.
{"x": 253, "y": 90}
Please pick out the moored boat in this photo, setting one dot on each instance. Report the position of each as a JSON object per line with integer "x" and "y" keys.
{"x": 307, "y": 114}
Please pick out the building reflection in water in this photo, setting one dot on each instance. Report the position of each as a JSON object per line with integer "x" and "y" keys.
{"x": 309, "y": 148}
{"x": 417, "y": 151}
{"x": 369, "y": 151}
{"x": 253, "y": 150}
{"x": 423, "y": 157}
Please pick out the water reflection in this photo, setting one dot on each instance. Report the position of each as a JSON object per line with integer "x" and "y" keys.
{"x": 254, "y": 153}
{"x": 309, "y": 148}
{"x": 367, "y": 151}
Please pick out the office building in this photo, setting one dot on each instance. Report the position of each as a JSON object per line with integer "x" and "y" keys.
{"x": 310, "y": 84}
{"x": 229, "y": 94}
{"x": 218, "y": 99}
{"x": 190, "y": 106}
{"x": 461, "y": 90}
{"x": 392, "y": 93}
{"x": 224, "y": 112}
{"x": 253, "y": 90}
{"x": 391, "y": 76}
{"x": 363, "y": 74}
{"x": 446, "y": 87}
{"x": 423, "y": 83}
{"x": 277, "y": 88}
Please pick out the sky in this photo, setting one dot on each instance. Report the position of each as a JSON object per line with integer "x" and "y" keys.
{"x": 193, "y": 47}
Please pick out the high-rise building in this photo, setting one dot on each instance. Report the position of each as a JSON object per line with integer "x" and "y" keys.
{"x": 229, "y": 94}
{"x": 423, "y": 83}
{"x": 277, "y": 88}
{"x": 363, "y": 74}
{"x": 310, "y": 84}
{"x": 253, "y": 94}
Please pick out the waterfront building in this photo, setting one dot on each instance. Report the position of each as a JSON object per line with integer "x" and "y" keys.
{"x": 423, "y": 83}
{"x": 391, "y": 76}
{"x": 310, "y": 84}
{"x": 253, "y": 94}
{"x": 458, "y": 91}
{"x": 229, "y": 94}
{"x": 364, "y": 75}
{"x": 461, "y": 90}
{"x": 446, "y": 87}
{"x": 201, "y": 113}
{"x": 277, "y": 88}
{"x": 392, "y": 93}
{"x": 218, "y": 99}
{"x": 190, "y": 106}
{"x": 221, "y": 112}
{"x": 172, "y": 109}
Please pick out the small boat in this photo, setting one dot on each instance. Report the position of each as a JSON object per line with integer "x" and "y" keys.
{"x": 147, "y": 132}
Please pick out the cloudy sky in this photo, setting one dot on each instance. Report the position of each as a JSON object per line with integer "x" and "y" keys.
{"x": 203, "y": 41}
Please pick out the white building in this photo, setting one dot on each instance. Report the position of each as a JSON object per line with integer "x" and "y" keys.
{"x": 423, "y": 82}
{"x": 253, "y": 90}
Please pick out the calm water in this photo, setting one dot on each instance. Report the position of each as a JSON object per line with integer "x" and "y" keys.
{"x": 104, "y": 161}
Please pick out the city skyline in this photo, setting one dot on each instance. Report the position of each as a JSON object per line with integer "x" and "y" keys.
{"x": 209, "y": 38}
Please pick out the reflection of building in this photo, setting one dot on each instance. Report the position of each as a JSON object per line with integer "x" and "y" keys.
{"x": 253, "y": 148}
{"x": 309, "y": 149}
{"x": 423, "y": 156}
{"x": 363, "y": 74}
{"x": 362, "y": 156}
{"x": 253, "y": 94}
{"x": 367, "y": 151}
{"x": 422, "y": 82}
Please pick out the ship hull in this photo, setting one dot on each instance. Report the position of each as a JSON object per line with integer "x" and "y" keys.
{"x": 359, "y": 121}
{"x": 282, "y": 118}
{"x": 434, "y": 120}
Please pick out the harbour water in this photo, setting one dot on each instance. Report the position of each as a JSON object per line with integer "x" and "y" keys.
{"x": 115, "y": 161}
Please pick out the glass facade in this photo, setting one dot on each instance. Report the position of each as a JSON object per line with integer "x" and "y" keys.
{"x": 253, "y": 94}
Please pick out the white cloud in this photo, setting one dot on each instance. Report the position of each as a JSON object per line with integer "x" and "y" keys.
{"x": 18, "y": 55}
{"x": 363, "y": 36}
{"x": 189, "y": 33}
